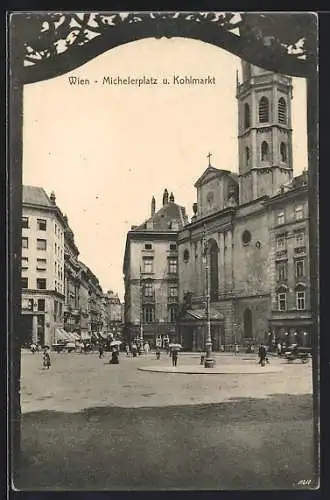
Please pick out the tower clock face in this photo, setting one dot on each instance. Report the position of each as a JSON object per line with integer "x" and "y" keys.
{"x": 210, "y": 198}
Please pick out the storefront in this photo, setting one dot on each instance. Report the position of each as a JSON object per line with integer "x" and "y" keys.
{"x": 291, "y": 330}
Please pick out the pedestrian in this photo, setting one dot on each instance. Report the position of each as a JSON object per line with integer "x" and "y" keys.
{"x": 157, "y": 352}
{"x": 46, "y": 358}
{"x": 33, "y": 347}
{"x": 101, "y": 351}
{"x": 127, "y": 349}
{"x": 262, "y": 353}
{"x": 146, "y": 348}
{"x": 279, "y": 348}
{"x": 174, "y": 357}
{"x": 114, "y": 357}
{"x": 134, "y": 350}
{"x": 236, "y": 349}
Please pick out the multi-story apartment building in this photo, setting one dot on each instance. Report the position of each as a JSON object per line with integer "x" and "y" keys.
{"x": 151, "y": 273}
{"x": 43, "y": 228}
{"x": 113, "y": 311}
{"x": 289, "y": 250}
{"x": 72, "y": 280}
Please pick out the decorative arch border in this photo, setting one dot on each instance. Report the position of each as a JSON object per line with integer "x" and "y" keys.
{"x": 47, "y": 45}
{"x": 56, "y": 43}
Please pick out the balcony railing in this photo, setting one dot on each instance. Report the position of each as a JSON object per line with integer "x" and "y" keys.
{"x": 172, "y": 299}
{"x": 300, "y": 250}
{"x": 149, "y": 299}
{"x": 281, "y": 253}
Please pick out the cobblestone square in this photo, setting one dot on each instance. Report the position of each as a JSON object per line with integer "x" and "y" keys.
{"x": 91, "y": 425}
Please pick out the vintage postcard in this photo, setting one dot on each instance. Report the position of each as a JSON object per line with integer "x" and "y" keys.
{"x": 163, "y": 212}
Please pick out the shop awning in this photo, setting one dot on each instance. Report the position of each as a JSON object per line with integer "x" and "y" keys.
{"x": 62, "y": 335}
{"x": 75, "y": 336}
{"x": 200, "y": 315}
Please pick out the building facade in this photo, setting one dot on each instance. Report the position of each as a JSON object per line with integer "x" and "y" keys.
{"x": 249, "y": 232}
{"x": 59, "y": 292}
{"x": 113, "y": 312}
{"x": 151, "y": 273}
{"x": 43, "y": 229}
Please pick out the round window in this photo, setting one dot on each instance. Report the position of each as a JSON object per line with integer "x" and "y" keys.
{"x": 246, "y": 237}
{"x": 186, "y": 255}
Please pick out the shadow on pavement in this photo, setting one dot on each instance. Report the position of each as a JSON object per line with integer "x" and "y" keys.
{"x": 241, "y": 444}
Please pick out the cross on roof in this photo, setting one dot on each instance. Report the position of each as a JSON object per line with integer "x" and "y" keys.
{"x": 209, "y": 157}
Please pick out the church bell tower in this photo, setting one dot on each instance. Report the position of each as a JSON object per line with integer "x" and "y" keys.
{"x": 264, "y": 132}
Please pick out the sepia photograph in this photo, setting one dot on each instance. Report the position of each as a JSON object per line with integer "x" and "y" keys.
{"x": 164, "y": 251}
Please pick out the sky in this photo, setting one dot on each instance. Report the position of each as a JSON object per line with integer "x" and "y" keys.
{"x": 105, "y": 150}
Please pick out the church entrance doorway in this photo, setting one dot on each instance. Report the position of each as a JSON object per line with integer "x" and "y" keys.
{"x": 248, "y": 324}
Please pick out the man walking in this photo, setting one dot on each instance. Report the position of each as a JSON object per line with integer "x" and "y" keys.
{"x": 262, "y": 355}
{"x": 174, "y": 357}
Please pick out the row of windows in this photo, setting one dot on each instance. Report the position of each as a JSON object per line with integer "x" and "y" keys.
{"x": 282, "y": 270}
{"x": 29, "y": 304}
{"x": 41, "y": 243}
{"x": 41, "y": 264}
{"x": 148, "y": 265}
{"x": 148, "y": 246}
{"x": 300, "y": 300}
{"x": 41, "y": 224}
{"x": 41, "y": 284}
{"x": 263, "y": 112}
{"x": 298, "y": 215}
{"x": 148, "y": 290}
{"x": 281, "y": 240}
{"x": 265, "y": 153}
{"x": 148, "y": 313}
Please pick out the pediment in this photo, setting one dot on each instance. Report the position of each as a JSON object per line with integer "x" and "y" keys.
{"x": 209, "y": 174}
{"x": 212, "y": 173}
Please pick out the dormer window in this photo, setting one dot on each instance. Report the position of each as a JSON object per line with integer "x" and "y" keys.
{"x": 149, "y": 225}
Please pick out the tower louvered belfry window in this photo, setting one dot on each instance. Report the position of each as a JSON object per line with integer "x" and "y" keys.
{"x": 247, "y": 121}
{"x": 283, "y": 152}
{"x": 263, "y": 110}
{"x": 282, "y": 111}
{"x": 264, "y": 151}
{"x": 247, "y": 156}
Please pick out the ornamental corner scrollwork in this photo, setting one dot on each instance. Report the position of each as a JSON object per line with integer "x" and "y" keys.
{"x": 54, "y": 37}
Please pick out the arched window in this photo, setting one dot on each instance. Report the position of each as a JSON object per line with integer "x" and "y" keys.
{"x": 248, "y": 324}
{"x": 214, "y": 277}
{"x": 263, "y": 110}
{"x": 283, "y": 152}
{"x": 247, "y": 156}
{"x": 247, "y": 122}
{"x": 282, "y": 111}
{"x": 264, "y": 151}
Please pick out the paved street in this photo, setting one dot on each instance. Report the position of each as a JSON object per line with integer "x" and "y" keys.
{"x": 88, "y": 424}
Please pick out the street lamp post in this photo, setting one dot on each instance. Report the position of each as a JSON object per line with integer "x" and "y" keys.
{"x": 141, "y": 308}
{"x": 209, "y": 361}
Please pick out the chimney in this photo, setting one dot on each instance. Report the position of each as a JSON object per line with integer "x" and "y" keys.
{"x": 153, "y": 206}
{"x": 52, "y": 197}
{"x": 172, "y": 198}
{"x": 165, "y": 197}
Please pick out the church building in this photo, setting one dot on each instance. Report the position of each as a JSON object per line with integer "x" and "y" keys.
{"x": 249, "y": 232}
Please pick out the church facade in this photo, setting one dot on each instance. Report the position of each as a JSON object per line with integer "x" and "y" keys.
{"x": 249, "y": 232}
